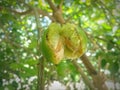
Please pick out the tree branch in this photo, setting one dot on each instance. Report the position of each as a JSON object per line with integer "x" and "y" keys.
{"x": 40, "y": 85}
{"x": 98, "y": 78}
{"x": 15, "y": 11}
{"x": 41, "y": 82}
{"x": 29, "y": 11}
{"x": 111, "y": 42}
{"x": 52, "y": 6}
{"x": 88, "y": 65}
{"x": 57, "y": 12}
{"x": 85, "y": 78}
{"x": 41, "y": 12}
{"x": 14, "y": 44}
{"x": 106, "y": 11}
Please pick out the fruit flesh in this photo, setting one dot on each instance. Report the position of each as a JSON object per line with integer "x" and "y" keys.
{"x": 75, "y": 41}
{"x": 52, "y": 46}
{"x": 65, "y": 41}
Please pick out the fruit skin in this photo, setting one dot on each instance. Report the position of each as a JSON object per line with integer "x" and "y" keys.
{"x": 61, "y": 42}
{"x": 74, "y": 40}
{"x": 51, "y": 44}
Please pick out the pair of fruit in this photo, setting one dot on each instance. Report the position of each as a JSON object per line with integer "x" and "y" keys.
{"x": 61, "y": 42}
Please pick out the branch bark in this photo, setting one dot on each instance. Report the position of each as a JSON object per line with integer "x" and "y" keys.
{"x": 52, "y": 6}
{"x": 41, "y": 85}
{"x": 85, "y": 78}
{"x": 57, "y": 12}
{"x": 88, "y": 65}
{"x": 98, "y": 78}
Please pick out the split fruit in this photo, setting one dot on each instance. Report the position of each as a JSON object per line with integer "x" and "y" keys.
{"x": 61, "y": 42}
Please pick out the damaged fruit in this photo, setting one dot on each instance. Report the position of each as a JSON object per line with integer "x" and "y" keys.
{"x": 65, "y": 41}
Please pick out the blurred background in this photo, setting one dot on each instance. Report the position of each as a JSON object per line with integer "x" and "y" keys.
{"x": 21, "y": 26}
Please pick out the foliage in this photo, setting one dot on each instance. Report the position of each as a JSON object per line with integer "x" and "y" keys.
{"x": 22, "y": 23}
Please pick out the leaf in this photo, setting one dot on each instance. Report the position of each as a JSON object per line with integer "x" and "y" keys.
{"x": 14, "y": 84}
{"x": 110, "y": 46}
{"x": 103, "y": 63}
{"x": 114, "y": 68}
{"x": 67, "y": 66}
{"x": 57, "y": 2}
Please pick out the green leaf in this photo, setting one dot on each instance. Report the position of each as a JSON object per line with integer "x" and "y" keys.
{"x": 114, "y": 68}
{"x": 14, "y": 84}
{"x": 57, "y": 1}
{"x": 103, "y": 63}
{"x": 110, "y": 46}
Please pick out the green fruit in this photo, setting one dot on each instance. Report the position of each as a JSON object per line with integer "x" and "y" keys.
{"x": 51, "y": 44}
{"x": 65, "y": 41}
{"x": 75, "y": 41}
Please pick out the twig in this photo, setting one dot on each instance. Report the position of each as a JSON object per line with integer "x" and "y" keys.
{"x": 41, "y": 82}
{"x": 115, "y": 45}
{"x": 104, "y": 8}
{"x": 13, "y": 44}
{"x": 40, "y": 85}
{"x": 85, "y": 78}
{"x": 61, "y": 3}
{"x": 98, "y": 79}
{"x": 88, "y": 65}
{"x": 41, "y": 12}
{"x": 57, "y": 12}
{"x": 29, "y": 11}
{"x": 52, "y": 6}
{"x": 17, "y": 12}
{"x": 99, "y": 64}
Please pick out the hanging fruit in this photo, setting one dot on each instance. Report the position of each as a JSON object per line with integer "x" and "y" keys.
{"x": 65, "y": 41}
{"x": 74, "y": 40}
